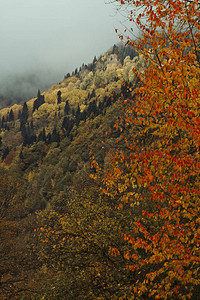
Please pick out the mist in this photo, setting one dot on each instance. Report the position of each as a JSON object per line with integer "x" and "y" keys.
{"x": 18, "y": 88}
{"x": 42, "y": 40}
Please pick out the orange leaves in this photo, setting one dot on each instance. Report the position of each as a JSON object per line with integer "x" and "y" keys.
{"x": 114, "y": 251}
{"x": 159, "y": 166}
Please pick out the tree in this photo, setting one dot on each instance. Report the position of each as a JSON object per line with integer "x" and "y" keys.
{"x": 24, "y": 116}
{"x": 59, "y": 99}
{"x": 66, "y": 108}
{"x": 42, "y": 136}
{"x": 55, "y": 136}
{"x": 76, "y": 245}
{"x": 157, "y": 172}
{"x": 39, "y": 101}
{"x": 11, "y": 115}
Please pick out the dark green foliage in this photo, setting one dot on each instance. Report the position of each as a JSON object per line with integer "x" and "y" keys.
{"x": 67, "y": 125}
{"x": 11, "y": 116}
{"x": 66, "y": 108}
{"x": 28, "y": 134}
{"x": 5, "y": 153}
{"x": 24, "y": 115}
{"x": 3, "y": 122}
{"x": 123, "y": 51}
{"x": 94, "y": 60}
{"x": 73, "y": 112}
{"x": 42, "y": 136}
{"x": 78, "y": 111}
{"x": 55, "y": 136}
{"x": 39, "y": 101}
{"x": 67, "y": 75}
{"x": 92, "y": 108}
{"x": 59, "y": 99}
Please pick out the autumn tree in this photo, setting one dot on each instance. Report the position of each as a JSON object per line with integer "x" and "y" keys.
{"x": 75, "y": 247}
{"x": 157, "y": 171}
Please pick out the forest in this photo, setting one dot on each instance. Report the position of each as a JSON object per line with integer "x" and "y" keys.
{"x": 100, "y": 173}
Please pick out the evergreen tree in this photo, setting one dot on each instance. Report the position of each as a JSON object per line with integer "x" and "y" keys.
{"x": 92, "y": 108}
{"x": 59, "y": 97}
{"x": 67, "y": 108}
{"x": 67, "y": 124}
{"x": 115, "y": 50}
{"x": 5, "y": 153}
{"x": 39, "y": 101}
{"x": 11, "y": 116}
{"x": 24, "y": 115}
{"x": 94, "y": 60}
{"x": 67, "y": 75}
{"x": 73, "y": 112}
{"x": 42, "y": 136}
{"x": 55, "y": 137}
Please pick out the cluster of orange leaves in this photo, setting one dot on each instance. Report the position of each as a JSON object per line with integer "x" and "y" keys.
{"x": 163, "y": 169}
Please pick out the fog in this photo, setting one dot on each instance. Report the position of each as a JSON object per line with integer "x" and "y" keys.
{"x": 42, "y": 40}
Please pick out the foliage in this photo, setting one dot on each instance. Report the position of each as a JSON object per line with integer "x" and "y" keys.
{"x": 76, "y": 246}
{"x": 158, "y": 168}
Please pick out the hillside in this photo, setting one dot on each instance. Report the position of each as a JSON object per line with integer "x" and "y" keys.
{"x": 99, "y": 183}
{"x": 45, "y": 149}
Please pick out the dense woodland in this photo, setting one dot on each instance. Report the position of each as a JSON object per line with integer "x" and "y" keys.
{"x": 100, "y": 174}
{"x": 45, "y": 150}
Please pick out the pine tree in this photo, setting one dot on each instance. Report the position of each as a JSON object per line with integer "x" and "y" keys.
{"x": 55, "y": 137}
{"x": 11, "y": 116}
{"x": 42, "y": 136}
{"x": 67, "y": 108}
{"x": 39, "y": 101}
{"x": 59, "y": 97}
{"x": 24, "y": 115}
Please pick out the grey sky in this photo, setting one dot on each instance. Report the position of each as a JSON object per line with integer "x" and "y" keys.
{"x": 42, "y": 40}
{"x": 53, "y": 35}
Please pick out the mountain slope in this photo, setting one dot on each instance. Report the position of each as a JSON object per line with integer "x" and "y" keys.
{"x": 45, "y": 152}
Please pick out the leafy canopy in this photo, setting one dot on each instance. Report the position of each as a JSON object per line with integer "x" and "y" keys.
{"x": 159, "y": 168}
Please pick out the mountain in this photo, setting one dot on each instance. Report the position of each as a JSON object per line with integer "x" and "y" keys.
{"x": 46, "y": 145}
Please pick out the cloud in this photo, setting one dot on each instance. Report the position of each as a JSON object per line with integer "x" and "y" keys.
{"x": 42, "y": 40}
{"x": 17, "y": 88}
